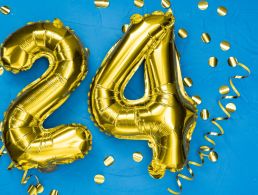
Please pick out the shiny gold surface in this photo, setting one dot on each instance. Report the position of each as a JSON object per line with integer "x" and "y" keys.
{"x": 225, "y": 45}
{"x": 182, "y": 33}
{"x": 99, "y": 179}
{"x": 197, "y": 99}
{"x": 5, "y": 10}
{"x": 27, "y": 142}
{"x": 213, "y": 156}
{"x": 32, "y": 190}
{"x": 137, "y": 157}
{"x": 165, "y": 3}
{"x": 101, "y": 3}
{"x": 231, "y": 107}
{"x": 232, "y": 61}
{"x": 1, "y": 71}
{"x": 125, "y": 28}
{"x": 213, "y": 61}
{"x": 203, "y": 5}
{"x": 222, "y": 11}
{"x": 40, "y": 188}
{"x": 205, "y": 114}
{"x": 54, "y": 192}
{"x": 165, "y": 116}
{"x": 188, "y": 82}
{"x": 108, "y": 161}
{"x": 223, "y": 90}
{"x": 139, "y": 3}
{"x": 206, "y": 37}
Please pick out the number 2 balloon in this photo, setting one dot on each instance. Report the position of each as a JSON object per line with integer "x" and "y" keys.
{"x": 27, "y": 142}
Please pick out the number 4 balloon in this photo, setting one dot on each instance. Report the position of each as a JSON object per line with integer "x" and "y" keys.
{"x": 165, "y": 116}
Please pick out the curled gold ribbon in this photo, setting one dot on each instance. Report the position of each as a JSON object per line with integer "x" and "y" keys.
{"x": 208, "y": 150}
{"x": 26, "y": 177}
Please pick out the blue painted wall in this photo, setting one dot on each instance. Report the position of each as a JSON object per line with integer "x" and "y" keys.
{"x": 98, "y": 29}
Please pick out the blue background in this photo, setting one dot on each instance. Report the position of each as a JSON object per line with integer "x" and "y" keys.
{"x": 98, "y": 29}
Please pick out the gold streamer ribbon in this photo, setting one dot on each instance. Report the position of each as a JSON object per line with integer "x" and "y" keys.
{"x": 26, "y": 177}
{"x": 206, "y": 150}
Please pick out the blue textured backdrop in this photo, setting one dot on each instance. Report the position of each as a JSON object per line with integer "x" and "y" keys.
{"x": 99, "y": 29}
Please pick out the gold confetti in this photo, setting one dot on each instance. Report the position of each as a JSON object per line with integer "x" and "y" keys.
{"x": 225, "y": 45}
{"x": 203, "y": 5}
{"x": 101, "y": 3}
{"x": 54, "y": 192}
{"x": 205, "y": 114}
{"x": 188, "y": 82}
{"x": 137, "y": 157}
{"x": 40, "y": 188}
{"x": 125, "y": 28}
{"x": 165, "y": 3}
{"x": 213, "y": 61}
{"x": 206, "y": 37}
{"x": 231, "y": 107}
{"x": 58, "y": 23}
{"x": 232, "y": 61}
{"x": 213, "y": 156}
{"x": 182, "y": 33}
{"x": 99, "y": 179}
{"x": 5, "y": 10}
{"x": 1, "y": 126}
{"x": 2, "y": 150}
{"x": 11, "y": 166}
{"x": 32, "y": 190}
{"x": 197, "y": 99}
{"x": 108, "y": 161}
{"x": 223, "y": 90}
{"x": 136, "y": 18}
{"x": 222, "y": 11}
{"x": 139, "y": 3}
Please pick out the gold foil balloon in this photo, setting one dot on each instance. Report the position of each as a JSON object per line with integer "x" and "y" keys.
{"x": 165, "y": 116}
{"x": 27, "y": 142}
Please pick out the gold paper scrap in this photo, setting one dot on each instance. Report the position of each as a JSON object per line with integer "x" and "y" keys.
{"x": 222, "y": 11}
{"x": 124, "y": 28}
{"x": 205, "y": 114}
{"x": 139, "y": 3}
{"x": 40, "y": 188}
{"x": 108, "y": 161}
{"x": 5, "y": 10}
{"x": 231, "y": 107}
{"x": 206, "y": 37}
{"x": 213, "y": 156}
{"x": 188, "y": 82}
{"x": 165, "y": 3}
{"x": 182, "y": 33}
{"x": 225, "y": 45}
{"x": 32, "y": 190}
{"x": 101, "y": 3}
{"x": 223, "y": 90}
{"x": 137, "y": 157}
{"x": 203, "y": 5}
{"x": 213, "y": 61}
{"x": 197, "y": 99}
{"x": 1, "y": 71}
{"x": 1, "y": 126}
{"x": 232, "y": 61}
{"x": 99, "y": 179}
{"x": 54, "y": 192}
